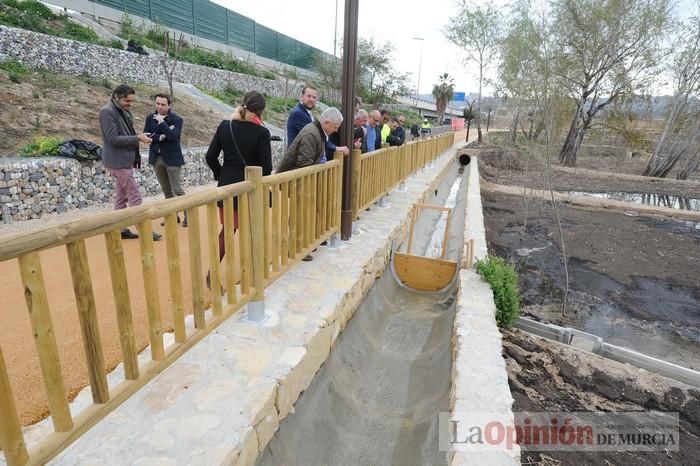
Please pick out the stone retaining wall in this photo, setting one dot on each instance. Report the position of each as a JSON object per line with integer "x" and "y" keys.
{"x": 79, "y": 58}
{"x": 33, "y": 187}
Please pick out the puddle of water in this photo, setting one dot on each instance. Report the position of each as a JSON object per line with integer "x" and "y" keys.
{"x": 656, "y": 200}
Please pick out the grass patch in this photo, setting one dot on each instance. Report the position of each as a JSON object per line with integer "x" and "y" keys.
{"x": 503, "y": 280}
{"x": 35, "y": 16}
{"x": 15, "y": 70}
{"x": 41, "y": 146}
{"x": 154, "y": 38}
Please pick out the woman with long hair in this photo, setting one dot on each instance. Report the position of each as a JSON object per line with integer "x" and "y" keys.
{"x": 245, "y": 142}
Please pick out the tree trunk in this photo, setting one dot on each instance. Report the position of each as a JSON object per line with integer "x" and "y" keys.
{"x": 690, "y": 164}
{"x": 569, "y": 150}
{"x": 478, "y": 111}
{"x": 513, "y": 132}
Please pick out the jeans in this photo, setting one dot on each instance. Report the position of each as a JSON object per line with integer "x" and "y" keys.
{"x": 169, "y": 178}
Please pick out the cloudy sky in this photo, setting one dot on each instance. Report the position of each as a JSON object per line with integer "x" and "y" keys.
{"x": 312, "y": 22}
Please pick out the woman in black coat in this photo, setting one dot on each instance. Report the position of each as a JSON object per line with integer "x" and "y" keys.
{"x": 244, "y": 141}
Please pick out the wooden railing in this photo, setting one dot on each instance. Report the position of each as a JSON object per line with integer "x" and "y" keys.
{"x": 376, "y": 173}
{"x": 291, "y": 213}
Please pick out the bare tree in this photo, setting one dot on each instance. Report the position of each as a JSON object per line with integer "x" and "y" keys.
{"x": 680, "y": 131}
{"x": 603, "y": 50}
{"x": 170, "y": 58}
{"x": 477, "y": 30}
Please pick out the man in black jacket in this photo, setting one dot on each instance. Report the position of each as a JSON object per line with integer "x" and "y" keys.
{"x": 165, "y": 154}
{"x": 398, "y": 133}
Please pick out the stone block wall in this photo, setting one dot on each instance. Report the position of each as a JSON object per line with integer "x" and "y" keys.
{"x": 79, "y": 58}
{"x": 33, "y": 187}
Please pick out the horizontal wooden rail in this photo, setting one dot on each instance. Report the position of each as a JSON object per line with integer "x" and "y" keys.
{"x": 15, "y": 245}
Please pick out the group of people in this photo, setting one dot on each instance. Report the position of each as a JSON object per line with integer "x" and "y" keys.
{"x": 243, "y": 139}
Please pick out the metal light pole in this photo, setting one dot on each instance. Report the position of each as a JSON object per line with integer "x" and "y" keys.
{"x": 335, "y": 30}
{"x": 346, "y": 130}
{"x": 420, "y": 64}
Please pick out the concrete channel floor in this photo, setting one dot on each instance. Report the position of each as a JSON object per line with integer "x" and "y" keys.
{"x": 378, "y": 397}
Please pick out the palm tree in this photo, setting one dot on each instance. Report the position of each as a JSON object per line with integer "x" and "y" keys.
{"x": 443, "y": 92}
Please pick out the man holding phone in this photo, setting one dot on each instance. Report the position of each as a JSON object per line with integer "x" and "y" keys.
{"x": 120, "y": 151}
{"x": 165, "y": 155}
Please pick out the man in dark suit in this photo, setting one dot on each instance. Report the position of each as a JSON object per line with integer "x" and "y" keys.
{"x": 165, "y": 154}
{"x": 300, "y": 115}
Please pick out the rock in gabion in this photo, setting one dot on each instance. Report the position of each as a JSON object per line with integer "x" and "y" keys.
{"x": 78, "y": 58}
{"x": 30, "y": 188}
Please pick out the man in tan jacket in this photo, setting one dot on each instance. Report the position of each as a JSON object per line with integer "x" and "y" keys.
{"x": 309, "y": 146}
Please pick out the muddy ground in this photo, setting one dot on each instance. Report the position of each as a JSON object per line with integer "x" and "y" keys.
{"x": 633, "y": 280}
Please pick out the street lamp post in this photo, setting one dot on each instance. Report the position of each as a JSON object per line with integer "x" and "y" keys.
{"x": 420, "y": 63}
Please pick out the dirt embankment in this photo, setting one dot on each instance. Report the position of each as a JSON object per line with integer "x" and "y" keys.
{"x": 547, "y": 376}
{"x": 510, "y": 166}
{"x": 48, "y": 104}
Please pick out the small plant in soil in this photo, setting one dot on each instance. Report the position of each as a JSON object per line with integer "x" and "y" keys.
{"x": 503, "y": 280}
{"x": 42, "y": 146}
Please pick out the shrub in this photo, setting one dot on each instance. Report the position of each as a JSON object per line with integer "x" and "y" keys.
{"x": 503, "y": 280}
{"x": 76, "y": 31}
{"x": 35, "y": 8}
{"x": 15, "y": 70}
{"x": 41, "y": 146}
{"x": 115, "y": 44}
{"x": 269, "y": 75}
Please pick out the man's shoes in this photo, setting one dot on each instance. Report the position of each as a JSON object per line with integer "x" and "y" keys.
{"x": 325, "y": 243}
{"x": 128, "y": 234}
{"x": 308, "y": 258}
{"x": 157, "y": 236}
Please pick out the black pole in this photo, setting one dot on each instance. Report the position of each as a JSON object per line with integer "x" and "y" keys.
{"x": 346, "y": 130}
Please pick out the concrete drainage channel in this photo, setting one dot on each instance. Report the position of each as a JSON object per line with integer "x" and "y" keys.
{"x": 350, "y": 367}
{"x": 376, "y": 399}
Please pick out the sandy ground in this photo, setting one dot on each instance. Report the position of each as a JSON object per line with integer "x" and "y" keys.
{"x": 15, "y": 333}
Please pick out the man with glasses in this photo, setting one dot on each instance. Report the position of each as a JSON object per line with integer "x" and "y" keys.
{"x": 374, "y": 137}
{"x": 120, "y": 149}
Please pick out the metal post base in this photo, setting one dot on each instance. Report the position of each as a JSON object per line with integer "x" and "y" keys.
{"x": 256, "y": 311}
{"x": 334, "y": 241}
{"x": 402, "y": 187}
{"x": 384, "y": 201}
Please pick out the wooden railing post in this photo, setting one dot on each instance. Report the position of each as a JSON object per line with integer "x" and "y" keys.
{"x": 45, "y": 340}
{"x": 11, "y": 438}
{"x": 256, "y": 307}
{"x": 355, "y": 181}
